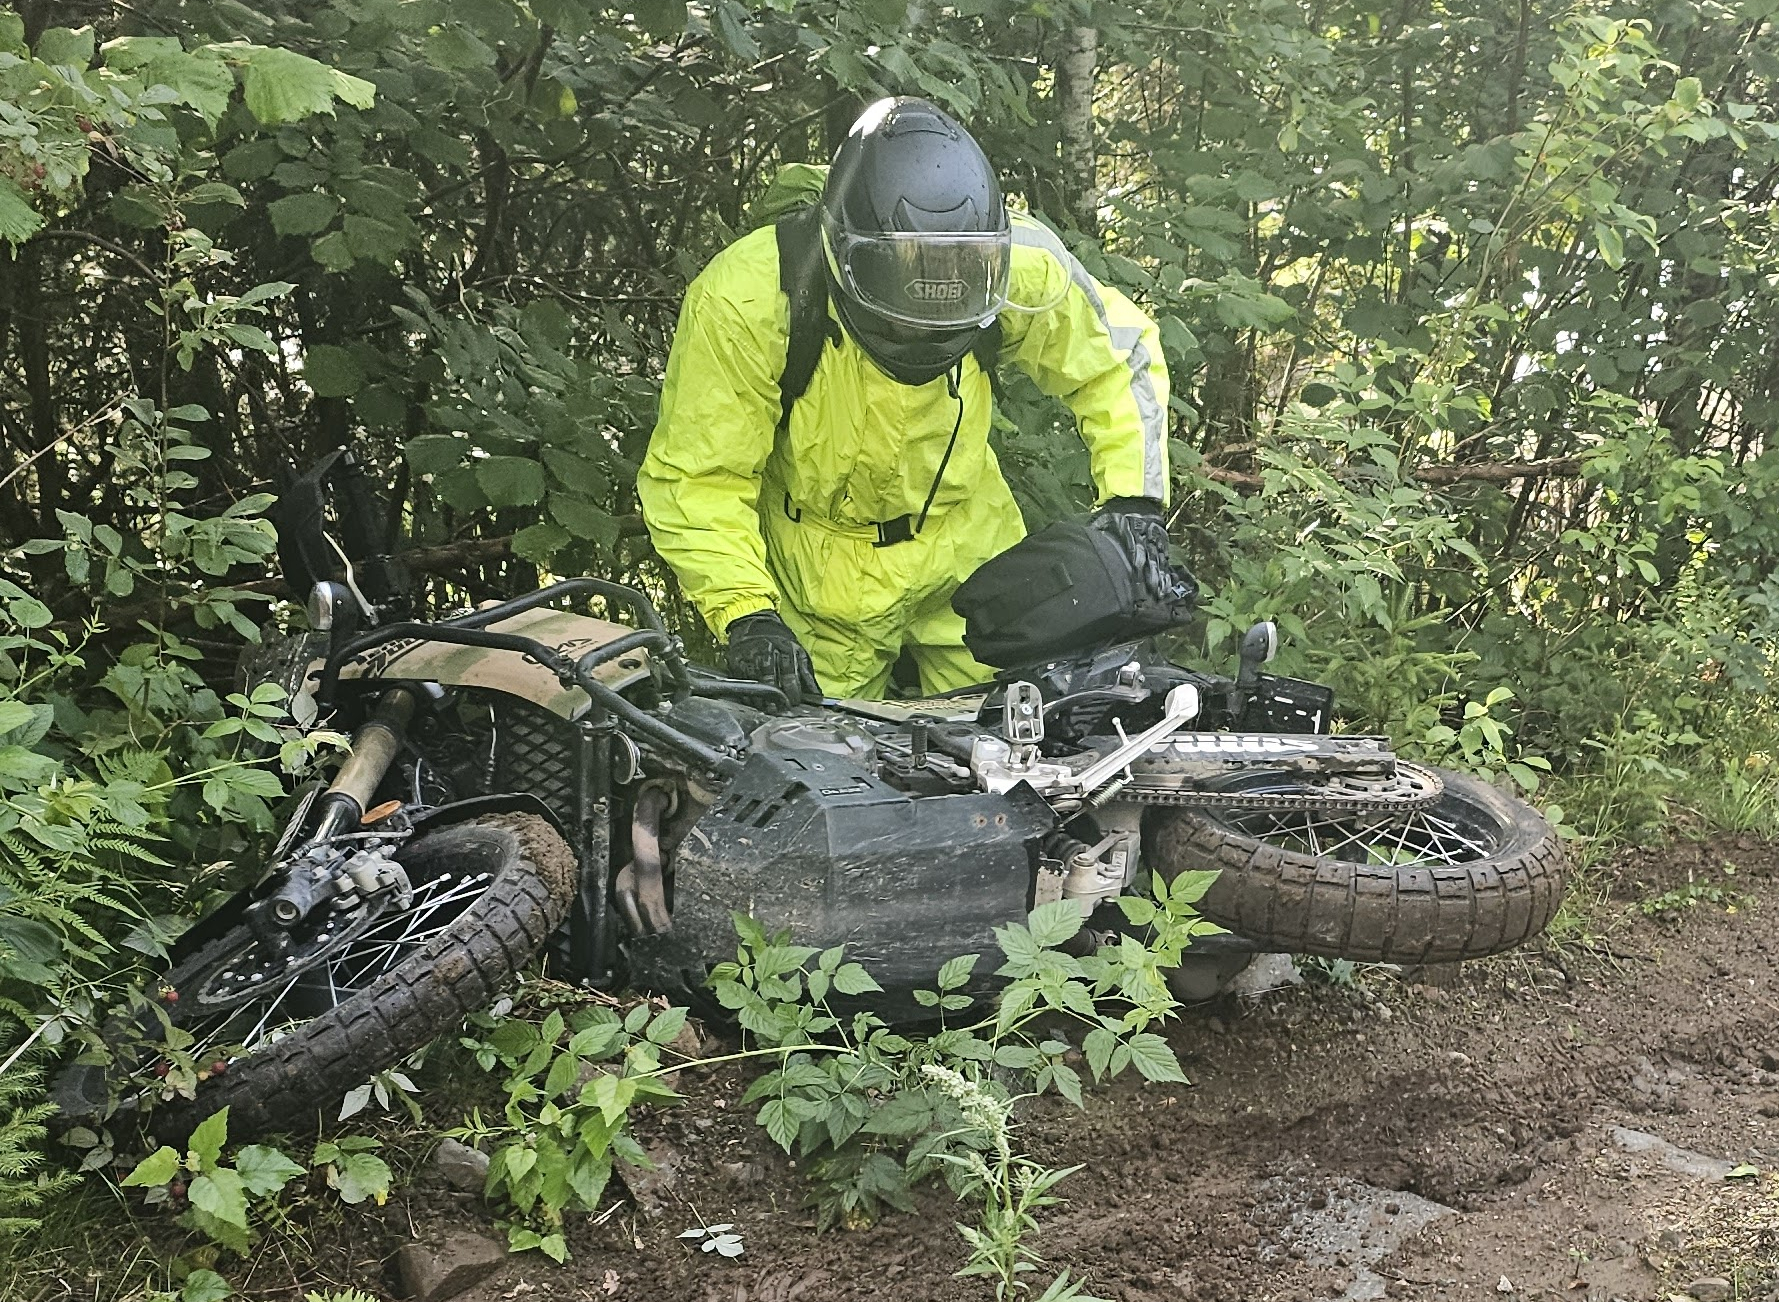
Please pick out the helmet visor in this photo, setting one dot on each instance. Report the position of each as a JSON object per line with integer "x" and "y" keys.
{"x": 933, "y": 280}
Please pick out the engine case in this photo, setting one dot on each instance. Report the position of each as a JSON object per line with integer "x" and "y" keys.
{"x": 807, "y": 841}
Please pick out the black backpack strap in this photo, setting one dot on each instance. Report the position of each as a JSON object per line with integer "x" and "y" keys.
{"x": 804, "y": 280}
{"x": 987, "y": 352}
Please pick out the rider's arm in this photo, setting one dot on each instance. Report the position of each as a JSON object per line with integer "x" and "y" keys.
{"x": 1101, "y": 354}
{"x": 700, "y": 482}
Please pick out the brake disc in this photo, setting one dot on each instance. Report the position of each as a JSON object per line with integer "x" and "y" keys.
{"x": 244, "y": 973}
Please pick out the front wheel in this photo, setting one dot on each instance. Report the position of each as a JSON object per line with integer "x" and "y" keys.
{"x": 486, "y": 895}
{"x": 1474, "y": 873}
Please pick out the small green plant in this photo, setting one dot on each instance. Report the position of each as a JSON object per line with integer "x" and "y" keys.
{"x": 1341, "y": 973}
{"x": 1745, "y": 798}
{"x": 860, "y": 1104}
{"x": 1673, "y": 903}
{"x": 24, "y": 1181}
{"x": 720, "y": 1239}
{"x": 352, "y": 1169}
{"x": 1483, "y": 744}
{"x": 387, "y": 1088}
{"x": 1011, "y": 1187}
{"x": 199, "y": 1286}
{"x": 219, "y": 1198}
{"x": 571, "y": 1082}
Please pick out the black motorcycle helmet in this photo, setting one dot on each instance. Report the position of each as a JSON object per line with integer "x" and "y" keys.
{"x": 917, "y": 237}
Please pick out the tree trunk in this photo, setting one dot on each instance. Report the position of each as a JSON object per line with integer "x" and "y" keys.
{"x": 1075, "y": 66}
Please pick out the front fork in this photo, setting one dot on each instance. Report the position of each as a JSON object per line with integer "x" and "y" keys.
{"x": 342, "y": 806}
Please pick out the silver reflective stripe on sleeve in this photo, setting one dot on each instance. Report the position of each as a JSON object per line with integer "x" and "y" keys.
{"x": 1129, "y": 340}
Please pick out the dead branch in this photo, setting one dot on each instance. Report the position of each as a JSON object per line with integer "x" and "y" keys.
{"x": 1479, "y": 472}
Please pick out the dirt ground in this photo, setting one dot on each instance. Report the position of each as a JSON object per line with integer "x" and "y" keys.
{"x": 1600, "y": 1126}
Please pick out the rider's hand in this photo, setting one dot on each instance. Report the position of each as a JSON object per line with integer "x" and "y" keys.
{"x": 763, "y": 648}
{"x": 1138, "y": 526}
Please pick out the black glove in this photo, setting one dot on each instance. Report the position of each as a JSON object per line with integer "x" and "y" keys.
{"x": 761, "y": 647}
{"x": 1137, "y": 525}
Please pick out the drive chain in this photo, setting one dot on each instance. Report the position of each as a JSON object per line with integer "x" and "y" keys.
{"x": 1413, "y": 788}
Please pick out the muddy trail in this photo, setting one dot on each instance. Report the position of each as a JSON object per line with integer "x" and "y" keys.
{"x": 1596, "y": 1125}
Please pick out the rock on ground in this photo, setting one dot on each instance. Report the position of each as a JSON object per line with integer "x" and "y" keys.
{"x": 432, "y": 1272}
{"x": 462, "y": 1166}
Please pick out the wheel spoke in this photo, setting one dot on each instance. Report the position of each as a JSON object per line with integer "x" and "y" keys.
{"x": 436, "y": 906}
{"x": 1421, "y": 837}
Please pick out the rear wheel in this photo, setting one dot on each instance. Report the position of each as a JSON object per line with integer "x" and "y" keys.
{"x": 1475, "y": 872}
{"x": 486, "y": 895}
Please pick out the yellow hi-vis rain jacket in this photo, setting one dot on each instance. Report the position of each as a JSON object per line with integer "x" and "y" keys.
{"x": 751, "y": 517}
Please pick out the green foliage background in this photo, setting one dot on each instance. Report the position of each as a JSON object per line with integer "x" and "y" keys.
{"x": 1469, "y": 307}
{"x": 1467, "y": 304}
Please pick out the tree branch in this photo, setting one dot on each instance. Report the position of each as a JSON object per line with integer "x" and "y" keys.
{"x": 1480, "y": 472}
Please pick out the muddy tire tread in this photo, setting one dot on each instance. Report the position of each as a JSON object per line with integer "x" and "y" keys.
{"x": 1375, "y": 913}
{"x": 465, "y": 968}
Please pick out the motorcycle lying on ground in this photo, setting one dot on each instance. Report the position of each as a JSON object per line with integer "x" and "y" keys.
{"x": 530, "y": 776}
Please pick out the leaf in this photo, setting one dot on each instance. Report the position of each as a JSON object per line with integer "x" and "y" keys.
{"x": 1190, "y": 887}
{"x": 732, "y": 26}
{"x": 584, "y": 520}
{"x": 67, "y": 47}
{"x": 1154, "y": 1058}
{"x": 202, "y": 82}
{"x": 375, "y": 240}
{"x": 265, "y": 1170}
{"x": 1688, "y": 91}
{"x": 221, "y": 1193}
{"x": 303, "y": 214}
{"x": 666, "y": 1025}
{"x": 1611, "y": 244}
{"x": 215, "y": 192}
{"x": 852, "y": 979}
{"x": 282, "y": 86}
{"x": 780, "y": 1122}
{"x": 253, "y": 160}
{"x": 956, "y": 972}
{"x": 1018, "y": 1057}
{"x": 1744, "y": 1171}
{"x": 539, "y": 542}
{"x": 331, "y": 371}
{"x": 1052, "y": 924}
{"x": 333, "y": 252}
{"x": 157, "y": 1168}
{"x": 564, "y": 1072}
{"x": 596, "y": 1041}
{"x": 1098, "y": 1048}
{"x": 357, "y": 1176}
{"x": 1139, "y": 912}
{"x": 207, "y": 1140}
{"x": 1068, "y": 1083}
{"x": 578, "y": 474}
{"x": 205, "y": 1286}
{"x": 18, "y": 220}
{"x": 357, "y": 1100}
{"x": 511, "y": 481}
